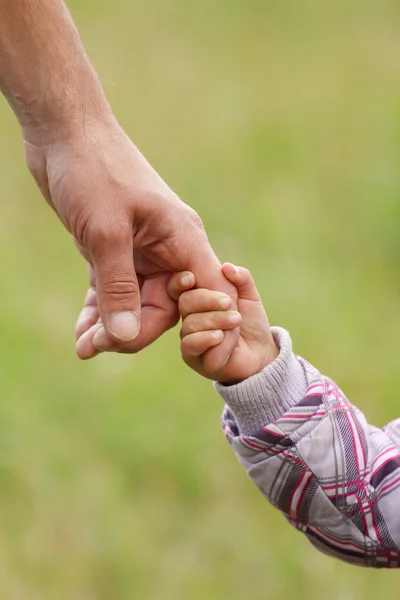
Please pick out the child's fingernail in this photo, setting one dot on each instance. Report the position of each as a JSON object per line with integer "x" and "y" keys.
{"x": 234, "y": 318}
{"x": 225, "y": 302}
{"x": 217, "y": 335}
{"x": 225, "y": 361}
{"x": 187, "y": 280}
{"x": 236, "y": 269}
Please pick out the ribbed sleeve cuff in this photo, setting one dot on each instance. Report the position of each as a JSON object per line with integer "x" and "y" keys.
{"x": 263, "y": 398}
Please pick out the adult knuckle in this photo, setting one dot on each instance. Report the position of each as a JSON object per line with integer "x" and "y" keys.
{"x": 119, "y": 286}
{"x": 184, "y": 304}
{"x": 99, "y": 237}
{"x": 109, "y": 230}
{"x": 185, "y": 346}
{"x": 195, "y": 219}
{"x": 99, "y": 234}
{"x": 189, "y": 325}
{"x": 91, "y": 297}
{"x": 80, "y": 221}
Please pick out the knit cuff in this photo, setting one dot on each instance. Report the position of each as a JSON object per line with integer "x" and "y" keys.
{"x": 263, "y": 398}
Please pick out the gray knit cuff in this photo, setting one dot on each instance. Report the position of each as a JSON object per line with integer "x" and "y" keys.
{"x": 263, "y": 398}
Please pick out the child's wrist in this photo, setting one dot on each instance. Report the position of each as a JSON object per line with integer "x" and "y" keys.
{"x": 270, "y": 356}
{"x": 265, "y": 397}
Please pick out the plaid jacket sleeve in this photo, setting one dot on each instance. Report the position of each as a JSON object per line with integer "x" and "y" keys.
{"x": 335, "y": 477}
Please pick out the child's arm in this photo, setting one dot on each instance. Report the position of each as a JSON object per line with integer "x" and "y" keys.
{"x": 310, "y": 452}
{"x": 335, "y": 477}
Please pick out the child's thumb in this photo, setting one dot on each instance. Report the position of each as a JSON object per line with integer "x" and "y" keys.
{"x": 242, "y": 280}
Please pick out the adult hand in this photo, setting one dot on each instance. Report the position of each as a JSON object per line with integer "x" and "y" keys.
{"x": 132, "y": 229}
{"x": 120, "y": 212}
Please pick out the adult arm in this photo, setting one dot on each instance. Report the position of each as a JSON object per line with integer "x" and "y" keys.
{"x": 126, "y": 221}
{"x": 334, "y": 476}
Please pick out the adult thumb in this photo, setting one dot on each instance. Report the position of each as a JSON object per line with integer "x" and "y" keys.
{"x": 118, "y": 293}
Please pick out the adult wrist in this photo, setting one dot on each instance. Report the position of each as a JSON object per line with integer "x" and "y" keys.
{"x": 52, "y": 127}
{"x": 66, "y": 114}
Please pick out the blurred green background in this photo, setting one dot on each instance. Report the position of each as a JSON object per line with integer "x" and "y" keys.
{"x": 279, "y": 122}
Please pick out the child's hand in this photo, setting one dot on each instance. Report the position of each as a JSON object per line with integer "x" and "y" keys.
{"x": 205, "y": 318}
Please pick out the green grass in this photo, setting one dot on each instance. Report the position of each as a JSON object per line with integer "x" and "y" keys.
{"x": 280, "y": 123}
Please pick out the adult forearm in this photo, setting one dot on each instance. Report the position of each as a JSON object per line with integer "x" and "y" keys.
{"x": 45, "y": 73}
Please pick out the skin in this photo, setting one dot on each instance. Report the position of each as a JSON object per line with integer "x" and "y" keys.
{"x": 207, "y": 317}
{"x": 129, "y": 225}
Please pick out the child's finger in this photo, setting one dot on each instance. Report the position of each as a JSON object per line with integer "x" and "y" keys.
{"x": 242, "y": 280}
{"x": 209, "y": 321}
{"x": 196, "y": 344}
{"x": 180, "y": 282}
{"x": 201, "y": 300}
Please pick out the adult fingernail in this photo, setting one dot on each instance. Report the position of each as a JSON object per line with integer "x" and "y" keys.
{"x": 187, "y": 280}
{"x": 235, "y": 318}
{"x": 225, "y": 302}
{"x": 102, "y": 342}
{"x": 217, "y": 335}
{"x": 124, "y": 326}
